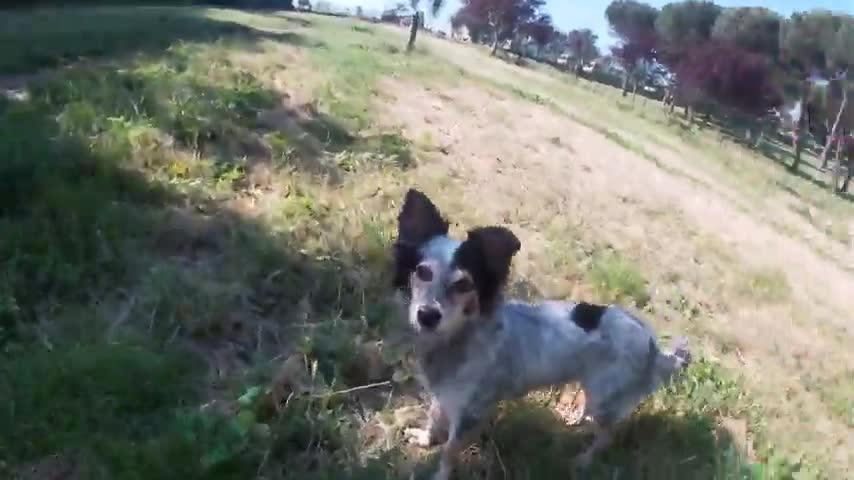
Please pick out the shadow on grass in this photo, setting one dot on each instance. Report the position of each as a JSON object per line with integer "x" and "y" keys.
{"x": 31, "y": 40}
{"x": 115, "y": 264}
{"x": 531, "y": 441}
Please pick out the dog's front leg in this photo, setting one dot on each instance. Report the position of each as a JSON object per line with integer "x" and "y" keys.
{"x": 462, "y": 433}
{"x": 436, "y": 431}
{"x": 601, "y": 439}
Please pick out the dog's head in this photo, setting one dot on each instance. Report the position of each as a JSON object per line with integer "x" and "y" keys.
{"x": 449, "y": 281}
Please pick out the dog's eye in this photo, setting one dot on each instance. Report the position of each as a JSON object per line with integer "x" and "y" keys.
{"x": 463, "y": 285}
{"x": 424, "y": 273}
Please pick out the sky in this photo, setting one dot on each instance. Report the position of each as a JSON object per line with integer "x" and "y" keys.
{"x": 570, "y": 14}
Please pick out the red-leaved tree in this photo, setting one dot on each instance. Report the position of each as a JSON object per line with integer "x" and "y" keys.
{"x": 730, "y": 75}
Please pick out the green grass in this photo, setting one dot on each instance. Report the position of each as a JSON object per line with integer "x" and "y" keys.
{"x": 166, "y": 247}
{"x": 617, "y": 279}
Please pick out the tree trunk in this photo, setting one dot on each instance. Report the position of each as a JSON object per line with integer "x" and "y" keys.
{"x": 837, "y": 170}
{"x": 634, "y": 91}
{"x": 835, "y": 126}
{"x": 850, "y": 162}
{"x": 413, "y": 31}
{"x": 494, "y": 42}
{"x": 799, "y": 128}
{"x": 625, "y": 83}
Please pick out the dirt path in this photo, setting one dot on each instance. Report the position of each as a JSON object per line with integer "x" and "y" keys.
{"x": 555, "y": 180}
{"x": 676, "y": 155}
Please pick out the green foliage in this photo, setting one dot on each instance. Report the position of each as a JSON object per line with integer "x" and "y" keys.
{"x": 806, "y": 37}
{"x": 756, "y": 29}
{"x": 627, "y": 17}
{"x": 686, "y": 23}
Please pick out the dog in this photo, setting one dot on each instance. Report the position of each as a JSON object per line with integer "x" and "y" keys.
{"x": 475, "y": 349}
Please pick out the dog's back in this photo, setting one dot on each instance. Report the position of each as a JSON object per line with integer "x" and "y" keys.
{"x": 610, "y": 351}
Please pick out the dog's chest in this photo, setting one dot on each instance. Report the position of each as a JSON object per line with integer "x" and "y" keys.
{"x": 456, "y": 373}
{"x": 469, "y": 383}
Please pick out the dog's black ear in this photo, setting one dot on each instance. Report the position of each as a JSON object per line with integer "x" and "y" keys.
{"x": 486, "y": 255}
{"x": 419, "y": 221}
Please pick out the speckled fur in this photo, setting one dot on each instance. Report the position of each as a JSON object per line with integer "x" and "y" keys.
{"x": 474, "y": 358}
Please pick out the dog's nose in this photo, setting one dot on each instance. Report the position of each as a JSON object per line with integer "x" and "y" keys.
{"x": 428, "y": 317}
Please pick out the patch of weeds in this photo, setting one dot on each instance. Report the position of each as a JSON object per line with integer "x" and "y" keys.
{"x": 528, "y": 96}
{"x": 838, "y": 231}
{"x": 282, "y": 147}
{"x": 393, "y": 146}
{"x": 363, "y": 29}
{"x": 835, "y": 393}
{"x": 766, "y": 285}
{"x": 335, "y": 136}
{"x": 425, "y": 141}
{"x": 714, "y": 397}
{"x": 617, "y": 279}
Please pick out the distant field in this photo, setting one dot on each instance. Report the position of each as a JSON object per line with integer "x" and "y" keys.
{"x": 195, "y": 211}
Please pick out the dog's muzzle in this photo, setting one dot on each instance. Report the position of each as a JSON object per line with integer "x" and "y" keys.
{"x": 428, "y": 317}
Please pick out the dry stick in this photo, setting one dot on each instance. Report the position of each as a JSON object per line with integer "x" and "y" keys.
{"x": 498, "y": 456}
{"x": 121, "y": 318}
{"x": 354, "y": 389}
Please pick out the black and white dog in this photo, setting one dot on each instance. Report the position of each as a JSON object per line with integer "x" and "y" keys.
{"x": 474, "y": 348}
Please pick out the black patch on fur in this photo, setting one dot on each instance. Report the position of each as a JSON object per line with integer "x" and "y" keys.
{"x": 419, "y": 221}
{"x": 588, "y": 316}
{"x": 486, "y": 256}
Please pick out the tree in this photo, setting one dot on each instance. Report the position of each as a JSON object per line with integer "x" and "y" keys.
{"x": 582, "y": 45}
{"x": 685, "y": 24}
{"x": 634, "y": 54}
{"x": 634, "y": 23}
{"x": 808, "y": 50}
{"x": 681, "y": 28}
{"x": 540, "y": 30}
{"x": 756, "y": 29}
{"x": 628, "y": 17}
{"x": 502, "y": 19}
{"x": 418, "y": 19}
{"x": 732, "y": 76}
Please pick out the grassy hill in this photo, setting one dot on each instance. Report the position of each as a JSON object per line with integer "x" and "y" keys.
{"x": 195, "y": 210}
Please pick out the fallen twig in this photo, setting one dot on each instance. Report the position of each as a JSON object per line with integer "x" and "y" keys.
{"x": 353, "y": 389}
{"x": 498, "y": 456}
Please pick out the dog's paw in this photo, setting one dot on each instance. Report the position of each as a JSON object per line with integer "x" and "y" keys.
{"x": 681, "y": 352}
{"x": 418, "y": 436}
